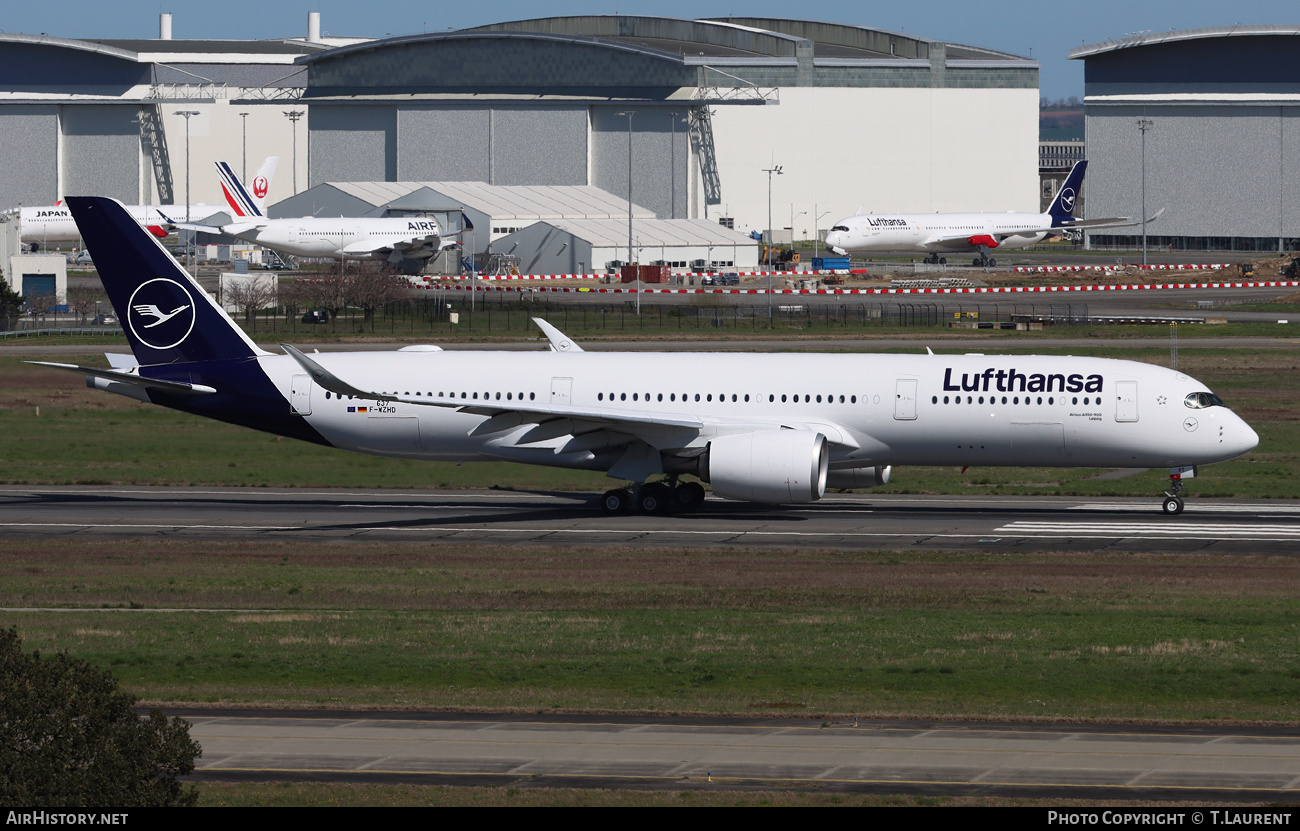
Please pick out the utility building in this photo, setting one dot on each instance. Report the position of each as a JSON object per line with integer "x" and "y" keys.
{"x": 1219, "y": 110}
{"x": 581, "y": 246}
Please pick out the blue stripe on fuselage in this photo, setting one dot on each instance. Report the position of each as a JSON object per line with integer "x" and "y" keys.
{"x": 244, "y": 396}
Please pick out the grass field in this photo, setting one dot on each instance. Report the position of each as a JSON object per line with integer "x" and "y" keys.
{"x": 1033, "y": 635}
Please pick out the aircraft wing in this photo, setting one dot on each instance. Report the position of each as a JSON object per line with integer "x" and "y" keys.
{"x": 566, "y": 429}
{"x": 1109, "y": 222}
{"x": 410, "y": 249}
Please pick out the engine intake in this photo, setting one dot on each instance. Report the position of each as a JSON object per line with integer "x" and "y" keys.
{"x": 773, "y": 466}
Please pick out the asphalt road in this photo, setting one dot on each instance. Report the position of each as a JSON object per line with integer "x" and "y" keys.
{"x": 1019, "y": 760}
{"x": 850, "y": 521}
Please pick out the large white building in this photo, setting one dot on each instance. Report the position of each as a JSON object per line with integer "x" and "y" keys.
{"x": 696, "y": 111}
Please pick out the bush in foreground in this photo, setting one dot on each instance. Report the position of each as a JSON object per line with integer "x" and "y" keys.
{"x": 69, "y": 738}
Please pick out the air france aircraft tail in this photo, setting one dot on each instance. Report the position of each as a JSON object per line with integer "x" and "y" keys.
{"x": 1062, "y": 207}
{"x": 243, "y": 201}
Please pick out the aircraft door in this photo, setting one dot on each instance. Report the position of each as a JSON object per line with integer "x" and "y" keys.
{"x": 561, "y": 391}
{"x": 300, "y": 394}
{"x": 1126, "y": 402}
{"x": 905, "y": 399}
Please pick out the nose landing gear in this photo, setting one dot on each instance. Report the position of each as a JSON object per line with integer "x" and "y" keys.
{"x": 1173, "y": 504}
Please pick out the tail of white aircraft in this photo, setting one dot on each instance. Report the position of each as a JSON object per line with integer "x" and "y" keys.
{"x": 243, "y": 201}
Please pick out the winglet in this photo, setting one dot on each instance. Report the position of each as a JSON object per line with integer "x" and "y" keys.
{"x": 326, "y": 379}
{"x": 559, "y": 341}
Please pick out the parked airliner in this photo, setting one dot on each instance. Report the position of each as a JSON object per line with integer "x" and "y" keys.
{"x": 940, "y": 233}
{"x": 54, "y": 223}
{"x": 770, "y": 428}
{"x": 405, "y": 241}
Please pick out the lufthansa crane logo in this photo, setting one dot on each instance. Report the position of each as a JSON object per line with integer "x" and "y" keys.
{"x": 161, "y": 313}
{"x": 1067, "y": 200}
{"x": 260, "y": 187}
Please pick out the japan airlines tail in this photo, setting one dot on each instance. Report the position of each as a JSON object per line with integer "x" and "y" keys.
{"x": 759, "y": 428}
{"x": 939, "y": 233}
{"x": 54, "y": 223}
{"x": 246, "y": 202}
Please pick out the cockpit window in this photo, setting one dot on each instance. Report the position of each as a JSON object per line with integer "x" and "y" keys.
{"x": 1201, "y": 400}
{"x": 840, "y": 228}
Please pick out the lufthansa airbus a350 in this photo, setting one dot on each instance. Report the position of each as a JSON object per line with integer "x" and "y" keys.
{"x": 768, "y": 428}
{"x": 939, "y": 234}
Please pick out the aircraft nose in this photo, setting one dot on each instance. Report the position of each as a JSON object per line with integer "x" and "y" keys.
{"x": 1241, "y": 438}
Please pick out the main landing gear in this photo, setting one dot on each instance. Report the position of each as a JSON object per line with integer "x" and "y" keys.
{"x": 654, "y": 497}
{"x": 984, "y": 260}
{"x": 935, "y": 259}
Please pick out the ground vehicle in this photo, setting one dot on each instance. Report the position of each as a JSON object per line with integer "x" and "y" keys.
{"x": 316, "y": 316}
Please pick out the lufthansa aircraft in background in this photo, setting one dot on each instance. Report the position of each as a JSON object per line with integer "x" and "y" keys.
{"x": 405, "y": 241}
{"x": 53, "y": 223}
{"x": 758, "y": 428}
{"x": 937, "y": 234}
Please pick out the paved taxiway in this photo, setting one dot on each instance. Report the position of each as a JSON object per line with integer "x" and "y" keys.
{"x": 1073, "y": 761}
{"x": 848, "y": 521}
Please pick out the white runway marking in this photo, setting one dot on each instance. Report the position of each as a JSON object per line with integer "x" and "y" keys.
{"x": 1164, "y": 530}
{"x": 1193, "y": 507}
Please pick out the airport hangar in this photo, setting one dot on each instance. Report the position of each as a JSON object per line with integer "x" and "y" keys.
{"x": 543, "y": 229}
{"x": 854, "y": 116}
{"x": 1222, "y": 113}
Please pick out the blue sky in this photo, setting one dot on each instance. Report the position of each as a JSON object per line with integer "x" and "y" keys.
{"x": 1045, "y": 31}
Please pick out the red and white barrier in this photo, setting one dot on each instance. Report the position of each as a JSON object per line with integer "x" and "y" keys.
{"x": 979, "y": 290}
{"x": 1057, "y": 269}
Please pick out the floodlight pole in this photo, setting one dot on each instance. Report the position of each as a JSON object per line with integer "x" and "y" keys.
{"x": 244, "y": 173}
{"x": 769, "y": 171}
{"x": 637, "y": 273}
{"x": 1144, "y": 124}
{"x": 672, "y": 161}
{"x": 294, "y": 115}
{"x": 189, "y": 249}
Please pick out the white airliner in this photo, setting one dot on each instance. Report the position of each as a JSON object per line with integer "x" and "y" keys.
{"x": 939, "y": 233}
{"x": 768, "y": 428}
{"x": 53, "y": 223}
{"x": 405, "y": 241}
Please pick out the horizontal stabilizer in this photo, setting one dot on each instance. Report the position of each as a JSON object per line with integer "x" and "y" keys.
{"x": 174, "y": 387}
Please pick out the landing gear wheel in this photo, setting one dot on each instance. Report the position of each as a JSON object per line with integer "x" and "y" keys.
{"x": 977, "y": 262}
{"x": 689, "y": 496}
{"x": 992, "y": 262}
{"x": 943, "y": 261}
{"x": 1173, "y": 505}
{"x": 616, "y": 501}
{"x": 654, "y": 498}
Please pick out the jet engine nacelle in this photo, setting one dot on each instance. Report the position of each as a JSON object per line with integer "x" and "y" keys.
{"x": 772, "y": 466}
{"x": 859, "y": 477}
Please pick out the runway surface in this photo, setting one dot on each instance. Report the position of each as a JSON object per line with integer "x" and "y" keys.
{"x": 853, "y": 521}
{"x": 1072, "y": 761}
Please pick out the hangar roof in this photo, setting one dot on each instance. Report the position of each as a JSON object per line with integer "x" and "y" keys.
{"x": 612, "y": 233}
{"x": 524, "y": 202}
{"x": 1152, "y": 38}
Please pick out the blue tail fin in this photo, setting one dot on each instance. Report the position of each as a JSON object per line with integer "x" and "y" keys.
{"x": 167, "y": 317}
{"x": 1062, "y": 207}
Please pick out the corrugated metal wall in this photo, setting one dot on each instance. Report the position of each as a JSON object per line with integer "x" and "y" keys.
{"x": 652, "y": 157}
{"x": 101, "y": 152}
{"x": 1218, "y": 171}
{"x": 30, "y": 138}
{"x": 352, "y": 144}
